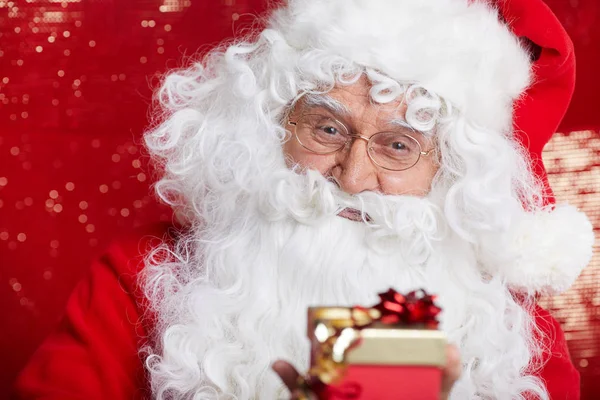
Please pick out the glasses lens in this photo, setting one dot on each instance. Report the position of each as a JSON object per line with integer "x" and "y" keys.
{"x": 394, "y": 151}
{"x": 320, "y": 133}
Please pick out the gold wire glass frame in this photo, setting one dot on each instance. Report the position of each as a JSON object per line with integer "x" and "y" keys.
{"x": 393, "y": 151}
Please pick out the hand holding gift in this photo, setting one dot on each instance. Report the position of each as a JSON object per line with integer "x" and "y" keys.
{"x": 390, "y": 351}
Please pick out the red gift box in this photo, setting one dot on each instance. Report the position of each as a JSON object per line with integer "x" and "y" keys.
{"x": 368, "y": 354}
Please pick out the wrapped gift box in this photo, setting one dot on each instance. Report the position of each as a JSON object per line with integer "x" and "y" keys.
{"x": 389, "y": 351}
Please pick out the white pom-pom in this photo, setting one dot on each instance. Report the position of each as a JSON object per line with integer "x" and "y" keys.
{"x": 553, "y": 247}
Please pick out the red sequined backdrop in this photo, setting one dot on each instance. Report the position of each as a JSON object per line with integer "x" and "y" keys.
{"x": 75, "y": 78}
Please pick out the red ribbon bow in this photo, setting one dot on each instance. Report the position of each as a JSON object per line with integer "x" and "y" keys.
{"x": 417, "y": 307}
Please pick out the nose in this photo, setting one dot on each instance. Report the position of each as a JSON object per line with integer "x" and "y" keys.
{"x": 354, "y": 171}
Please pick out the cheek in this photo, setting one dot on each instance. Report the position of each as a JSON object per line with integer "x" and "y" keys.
{"x": 415, "y": 181}
{"x": 295, "y": 154}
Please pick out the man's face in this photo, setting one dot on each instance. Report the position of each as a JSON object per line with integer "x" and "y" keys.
{"x": 351, "y": 166}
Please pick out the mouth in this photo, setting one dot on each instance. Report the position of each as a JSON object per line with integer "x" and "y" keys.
{"x": 353, "y": 215}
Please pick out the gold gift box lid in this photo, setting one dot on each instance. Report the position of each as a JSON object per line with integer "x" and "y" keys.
{"x": 377, "y": 344}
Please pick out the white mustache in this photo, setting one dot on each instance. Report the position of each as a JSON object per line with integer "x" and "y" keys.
{"x": 310, "y": 198}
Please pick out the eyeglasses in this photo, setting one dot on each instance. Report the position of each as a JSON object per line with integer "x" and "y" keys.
{"x": 322, "y": 134}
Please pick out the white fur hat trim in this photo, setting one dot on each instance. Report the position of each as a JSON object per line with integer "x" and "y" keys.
{"x": 457, "y": 49}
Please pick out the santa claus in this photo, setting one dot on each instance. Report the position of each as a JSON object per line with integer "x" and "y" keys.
{"x": 348, "y": 147}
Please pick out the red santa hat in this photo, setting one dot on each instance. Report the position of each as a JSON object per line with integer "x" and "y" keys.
{"x": 557, "y": 244}
{"x": 506, "y": 65}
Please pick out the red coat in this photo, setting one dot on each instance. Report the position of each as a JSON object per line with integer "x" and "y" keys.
{"x": 94, "y": 352}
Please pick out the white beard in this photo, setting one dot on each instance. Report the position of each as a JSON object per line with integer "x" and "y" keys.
{"x": 235, "y": 298}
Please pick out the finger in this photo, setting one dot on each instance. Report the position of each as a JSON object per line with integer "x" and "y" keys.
{"x": 451, "y": 371}
{"x": 287, "y": 373}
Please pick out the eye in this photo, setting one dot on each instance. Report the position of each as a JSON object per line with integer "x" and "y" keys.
{"x": 398, "y": 146}
{"x": 330, "y": 130}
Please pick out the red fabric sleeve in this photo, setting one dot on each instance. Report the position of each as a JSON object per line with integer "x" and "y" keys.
{"x": 559, "y": 373}
{"x": 94, "y": 353}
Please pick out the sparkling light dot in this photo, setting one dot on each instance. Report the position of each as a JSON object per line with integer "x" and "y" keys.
{"x": 49, "y": 203}
{"x": 21, "y": 237}
{"x": 122, "y": 77}
{"x": 160, "y": 50}
{"x": 235, "y": 16}
{"x": 67, "y": 52}
{"x": 78, "y": 24}
{"x": 3, "y": 181}
{"x": 114, "y": 78}
{"x": 61, "y": 73}
{"x": 583, "y": 363}
{"x": 92, "y": 43}
{"x": 141, "y": 177}
{"x": 28, "y": 201}
{"x": 57, "y": 208}
{"x": 66, "y": 34}
{"x": 115, "y": 158}
{"x": 103, "y": 188}
{"x": 16, "y": 287}
{"x": 83, "y": 205}
{"x": 82, "y": 218}
{"x": 54, "y": 244}
{"x": 15, "y": 151}
{"x": 17, "y": 29}
{"x": 144, "y": 23}
{"x": 4, "y": 235}
{"x": 6, "y": 79}
{"x": 24, "y": 114}
{"x": 89, "y": 228}
{"x": 51, "y": 39}
{"x": 160, "y": 42}
{"x": 77, "y": 93}
{"x": 20, "y": 63}
{"x": 39, "y": 49}
{"x": 70, "y": 186}
{"x": 151, "y": 23}
{"x": 143, "y": 60}
{"x": 136, "y": 163}
{"x": 167, "y": 27}
{"x": 125, "y": 212}
{"x": 53, "y": 194}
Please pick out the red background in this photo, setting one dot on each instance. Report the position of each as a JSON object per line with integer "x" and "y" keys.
{"x": 75, "y": 90}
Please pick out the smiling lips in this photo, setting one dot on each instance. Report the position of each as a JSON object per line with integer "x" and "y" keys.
{"x": 353, "y": 215}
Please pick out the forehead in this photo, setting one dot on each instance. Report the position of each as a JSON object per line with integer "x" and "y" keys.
{"x": 356, "y": 100}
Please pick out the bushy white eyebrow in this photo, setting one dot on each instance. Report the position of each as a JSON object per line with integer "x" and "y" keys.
{"x": 401, "y": 122}
{"x": 327, "y": 102}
